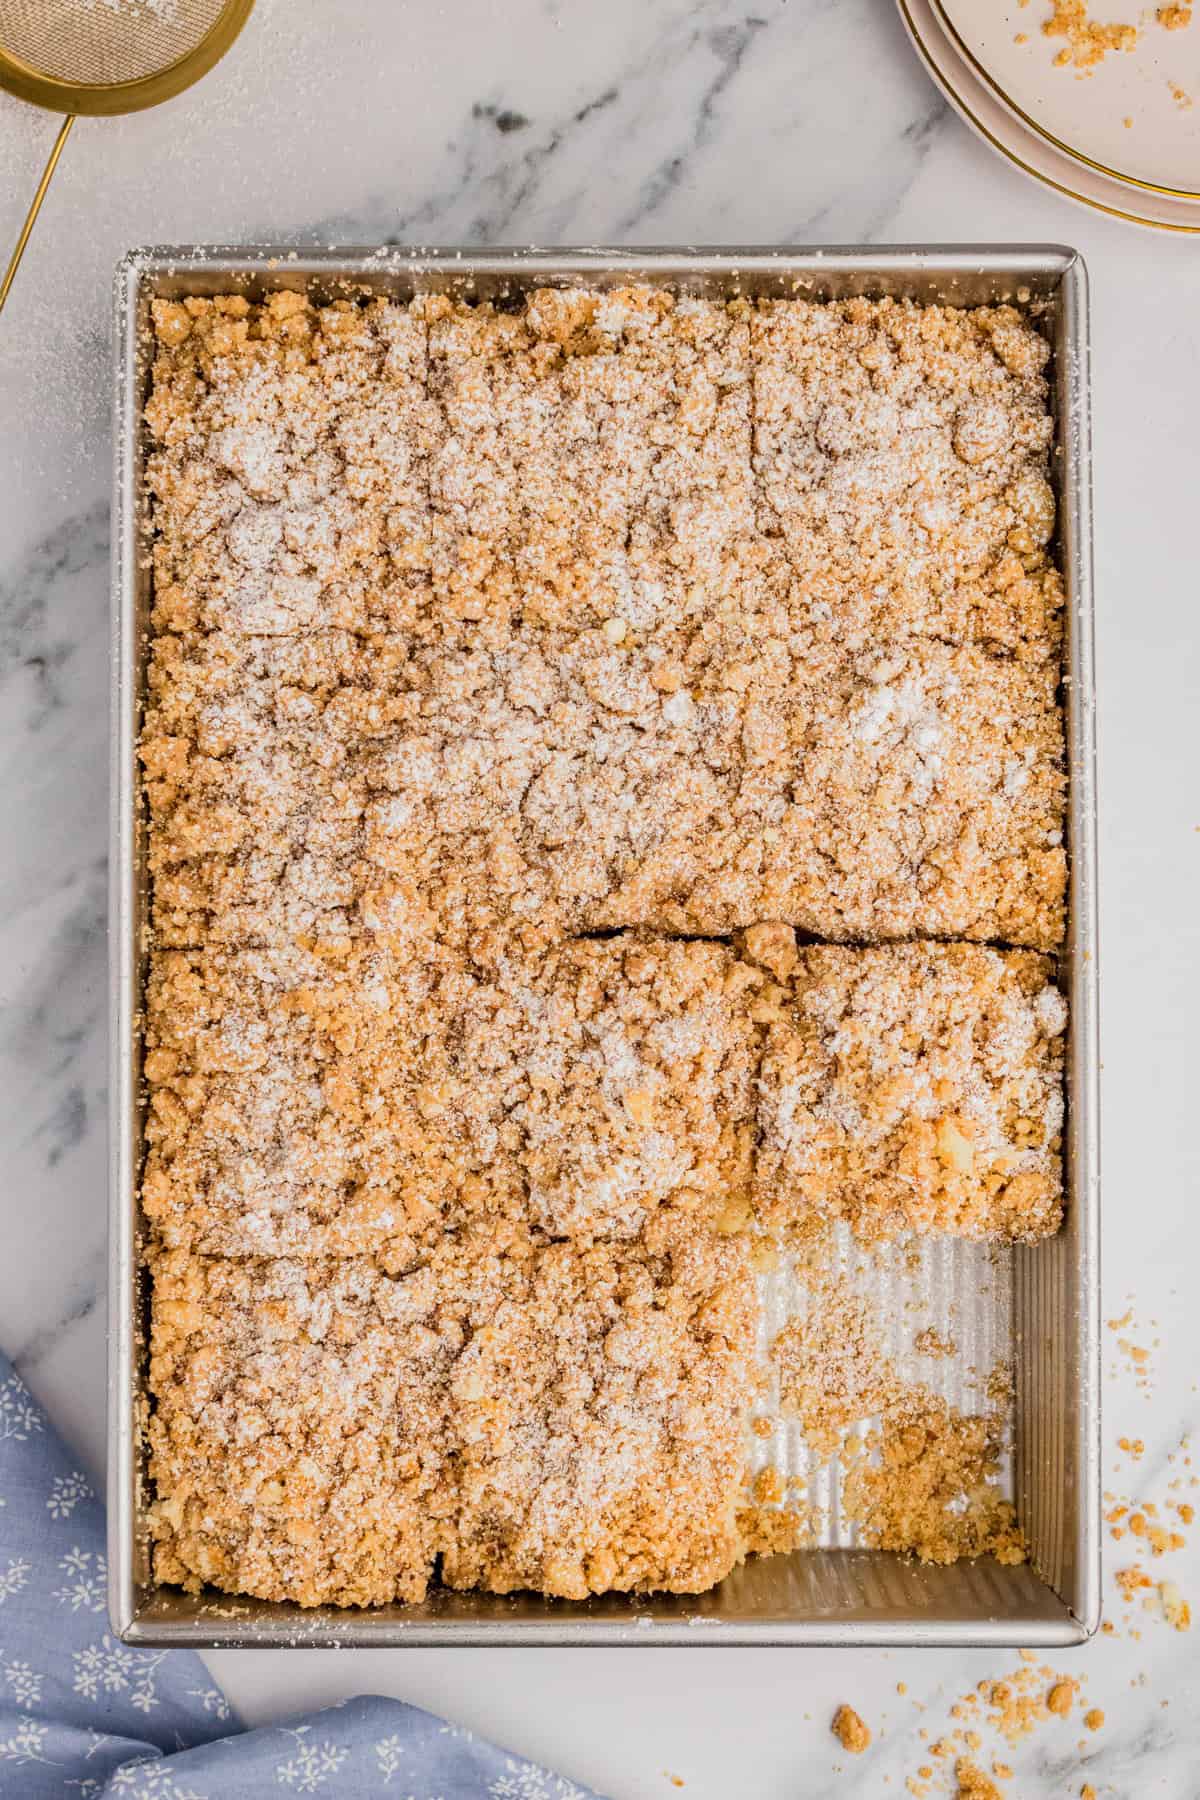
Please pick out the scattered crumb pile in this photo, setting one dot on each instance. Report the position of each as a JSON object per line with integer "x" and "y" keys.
{"x": 991, "y": 1719}
{"x": 973, "y": 1784}
{"x": 1089, "y": 40}
{"x": 1136, "y": 1359}
{"x": 1150, "y": 1528}
{"x": 931, "y": 1491}
{"x": 1004, "y": 1711}
{"x": 930, "y": 1342}
{"x": 922, "y": 1477}
{"x": 966, "y": 1759}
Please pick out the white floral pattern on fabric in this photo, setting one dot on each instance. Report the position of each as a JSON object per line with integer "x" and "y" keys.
{"x": 212, "y": 1700}
{"x": 13, "y": 1579}
{"x": 109, "y": 1667}
{"x": 151, "y": 1780}
{"x": 66, "y": 1492}
{"x": 526, "y": 1781}
{"x": 25, "y": 1683}
{"x": 312, "y": 1765}
{"x": 87, "y": 1577}
{"x": 388, "y": 1752}
{"x": 19, "y": 1417}
{"x": 86, "y": 1717}
{"x": 26, "y": 1743}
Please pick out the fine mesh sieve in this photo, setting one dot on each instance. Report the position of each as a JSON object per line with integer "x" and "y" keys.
{"x": 106, "y": 56}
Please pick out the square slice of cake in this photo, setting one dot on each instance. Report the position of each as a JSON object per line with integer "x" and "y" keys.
{"x": 298, "y": 1437}
{"x": 911, "y": 1087}
{"x": 602, "y": 1420}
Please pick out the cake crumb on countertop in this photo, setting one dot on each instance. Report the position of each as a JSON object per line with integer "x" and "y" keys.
{"x": 1061, "y": 1698}
{"x": 851, "y": 1732}
{"x": 1175, "y": 1608}
{"x": 973, "y": 1784}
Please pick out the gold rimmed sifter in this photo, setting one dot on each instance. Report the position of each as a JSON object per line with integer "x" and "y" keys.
{"x": 103, "y": 57}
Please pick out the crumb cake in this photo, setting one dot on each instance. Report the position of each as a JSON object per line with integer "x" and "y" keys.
{"x": 536, "y": 1415}
{"x": 593, "y": 460}
{"x": 912, "y": 1087}
{"x": 872, "y": 793}
{"x": 303, "y": 1103}
{"x": 902, "y": 453}
{"x": 523, "y": 676}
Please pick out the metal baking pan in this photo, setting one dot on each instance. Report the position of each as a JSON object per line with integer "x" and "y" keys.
{"x": 839, "y": 1593}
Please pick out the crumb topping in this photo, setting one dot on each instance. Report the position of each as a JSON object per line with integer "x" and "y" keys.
{"x": 902, "y": 452}
{"x": 312, "y": 1104}
{"x": 504, "y": 658}
{"x": 534, "y": 1416}
{"x": 915, "y": 1086}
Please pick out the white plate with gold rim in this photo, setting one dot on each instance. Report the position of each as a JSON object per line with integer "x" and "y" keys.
{"x": 998, "y": 125}
{"x": 1130, "y": 113}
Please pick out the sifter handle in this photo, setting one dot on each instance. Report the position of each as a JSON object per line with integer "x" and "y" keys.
{"x": 35, "y": 208}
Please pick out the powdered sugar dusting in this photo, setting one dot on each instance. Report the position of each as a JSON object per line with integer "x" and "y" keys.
{"x": 503, "y": 659}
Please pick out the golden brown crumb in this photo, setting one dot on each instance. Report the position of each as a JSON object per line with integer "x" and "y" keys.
{"x": 775, "y": 1530}
{"x": 1094, "y": 1719}
{"x": 1174, "y": 18}
{"x": 603, "y": 774}
{"x": 1088, "y": 40}
{"x": 850, "y": 1731}
{"x": 1087, "y": 1791}
{"x": 864, "y": 410}
{"x": 973, "y": 1784}
{"x": 296, "y": 1097}
{"x": 929, "y": 1494}
{"x": 1132, "y": 1581}
{"x": 768, "y": 1487}
{"x": 1061, "y": 1698}
{"x": 1175, "y": 1608}
{"x": 832, "y": 1369}
{"x": 920, "y": 1481}
{"x": 930, "y": 1342}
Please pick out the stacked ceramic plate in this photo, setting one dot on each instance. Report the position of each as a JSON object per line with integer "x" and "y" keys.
{"x": 1104, "y": 106}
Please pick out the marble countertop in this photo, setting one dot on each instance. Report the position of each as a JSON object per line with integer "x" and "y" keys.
{"x": 639, "y": 121}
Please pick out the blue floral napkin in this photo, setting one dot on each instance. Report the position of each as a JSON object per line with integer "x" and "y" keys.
{"x": 82, "y": 1714}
